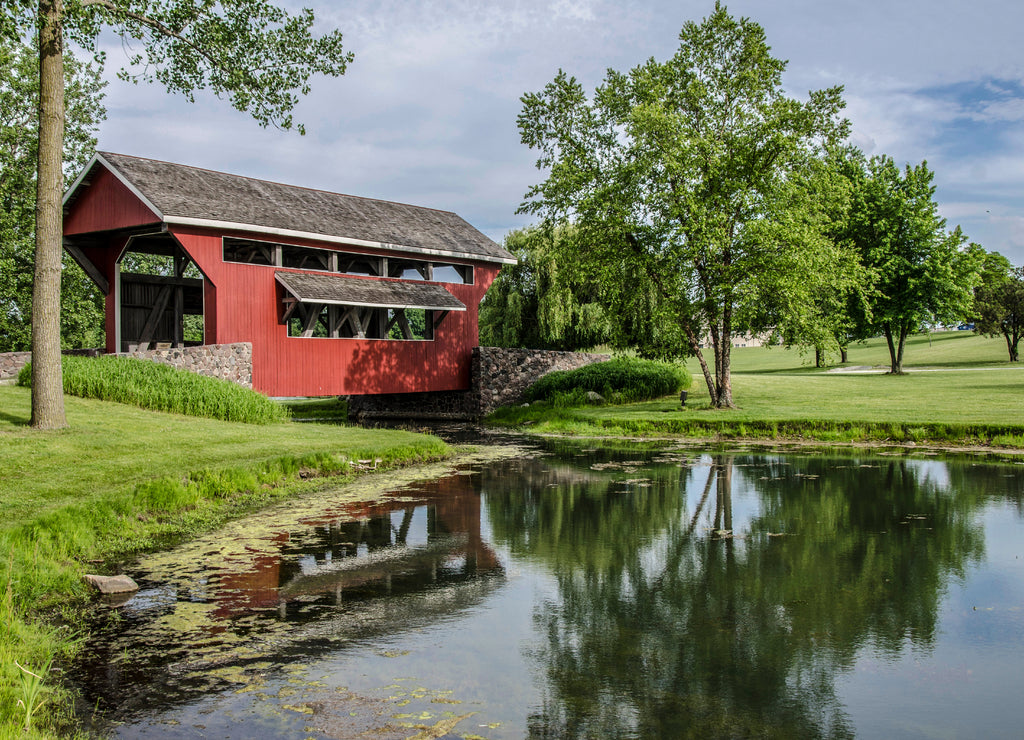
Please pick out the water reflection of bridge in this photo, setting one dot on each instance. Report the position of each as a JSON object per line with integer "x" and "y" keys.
{"x": 360, "y": 570}
{"x": 363, "y": 551}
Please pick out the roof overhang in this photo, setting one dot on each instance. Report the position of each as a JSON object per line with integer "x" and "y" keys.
{"x": 328, "y": 239}
{"x": 206, "y": 223}
{"x": 342, "y": 290}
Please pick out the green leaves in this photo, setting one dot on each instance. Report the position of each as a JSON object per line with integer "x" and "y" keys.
{"x": 666, "y": 174}
{"x": 249, "y": 51}
{"x": 82, "y": 319}
{"x": 999, "y": 302}
{"x": 919, "y": 271}
{"x": 540, "y": 302}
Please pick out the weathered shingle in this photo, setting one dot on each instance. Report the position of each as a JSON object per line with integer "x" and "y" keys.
{"x": 311, "y": 287}
{"x": 189, "y": 192}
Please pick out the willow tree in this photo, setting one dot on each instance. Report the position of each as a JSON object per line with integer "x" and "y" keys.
{"x": 537, "y": 303}
{"x": 252, "y": 52}
{"x": 666, "y": 170}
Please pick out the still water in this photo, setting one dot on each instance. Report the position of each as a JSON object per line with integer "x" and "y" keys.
{"x": 579, "y": 592}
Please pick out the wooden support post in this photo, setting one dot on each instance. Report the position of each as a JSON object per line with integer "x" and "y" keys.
{"x": 290, "y": 305}
{"x": 403, "y": 323}
{"x": 179, "y": 316}
{"x": 313, "y": 315}
{"x": 149, "y": 328}
{"x": 332, "y": 321}
{"x": 87, "y": 265}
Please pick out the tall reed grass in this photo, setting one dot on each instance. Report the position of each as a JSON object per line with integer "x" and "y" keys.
{"x": 151, "y": 385}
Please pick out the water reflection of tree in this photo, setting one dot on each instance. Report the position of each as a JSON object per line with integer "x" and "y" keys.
{"x": 664, "y": 629}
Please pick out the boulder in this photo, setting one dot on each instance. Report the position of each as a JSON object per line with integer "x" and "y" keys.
{"x": 120, "y": 584}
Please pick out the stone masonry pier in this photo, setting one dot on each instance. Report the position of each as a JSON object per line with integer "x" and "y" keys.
{"x": 500, "y": 376}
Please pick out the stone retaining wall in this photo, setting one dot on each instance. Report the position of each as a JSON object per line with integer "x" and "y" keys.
{"x": 499, "y": 377}
{"x": 11, "y": 364}
{"x": 226, "y": 361}
{"x": 502, "y": 375}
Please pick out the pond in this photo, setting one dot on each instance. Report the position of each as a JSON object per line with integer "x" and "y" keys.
{"x": 569, "y": 590}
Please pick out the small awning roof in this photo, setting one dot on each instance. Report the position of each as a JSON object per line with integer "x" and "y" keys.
{"x": 308, "y": 287}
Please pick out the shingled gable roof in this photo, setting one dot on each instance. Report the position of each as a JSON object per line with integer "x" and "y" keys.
{"x": 190, "y": 196}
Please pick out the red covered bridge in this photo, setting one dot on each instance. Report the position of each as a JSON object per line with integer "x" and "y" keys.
{"x": 337, "y": 294}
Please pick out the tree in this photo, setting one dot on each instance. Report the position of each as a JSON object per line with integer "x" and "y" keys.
{"x": 82, "y": 321}
{"x": 999, "y": 302}
{"x": 679, "y": 615}
{"x": 813, "y": 207}
{"x": 535, "y": 303}
{"x": 667, "y": 171}
{"x": 920, "y": 272}
{"x": 254, "y": 53}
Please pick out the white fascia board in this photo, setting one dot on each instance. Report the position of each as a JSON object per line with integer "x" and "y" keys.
{"x": 98, "y": 158}
{"x": 293, "y": 234}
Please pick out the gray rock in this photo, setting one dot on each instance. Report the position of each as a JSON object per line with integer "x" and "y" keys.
{"x": 112, "y": 584}
{"x": 594, "y": 397}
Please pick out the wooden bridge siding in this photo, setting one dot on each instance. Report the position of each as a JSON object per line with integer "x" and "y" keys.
{"x": 243, "y": 304}
{"x": 106, "y": 205}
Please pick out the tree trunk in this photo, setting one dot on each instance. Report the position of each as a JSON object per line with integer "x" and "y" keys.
{"x": 47, "y": 385}
{"x": 723, "y": 368}
{"x": 695, "y": 346}
{"x": 1011, "y": 346}
{"x": 895, "y": 356}
{"x": 819, "y": 357}
{"x": 843, "y": 357}
{"x": 904, "y": 330}
{"x": 723, "y": 374}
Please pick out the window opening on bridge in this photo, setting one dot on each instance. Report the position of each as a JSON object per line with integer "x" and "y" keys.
{"x": 256, "y": 252}
{"x": 160, "y": 299}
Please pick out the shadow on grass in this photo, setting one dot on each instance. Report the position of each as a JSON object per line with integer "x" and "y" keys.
{"x": 16, "y": 419}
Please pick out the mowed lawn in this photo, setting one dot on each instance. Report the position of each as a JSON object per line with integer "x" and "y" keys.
{"x": 953, "y": 377}
{"x": 113, "y": 446}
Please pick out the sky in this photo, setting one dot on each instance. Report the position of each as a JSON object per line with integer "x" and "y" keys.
{"x": 426, "y": 114}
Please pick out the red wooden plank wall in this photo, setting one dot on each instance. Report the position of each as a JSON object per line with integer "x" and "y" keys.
{"x": 106, "y": 204}
{"x": 243, "y": 305}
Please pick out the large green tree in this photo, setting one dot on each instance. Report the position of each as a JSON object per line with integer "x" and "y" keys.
{"x": 813, "y": 207}
{"x": 252, "y": 52}
{"x": 999, "y": 302}
{"x": 667, "y": 171}
{"x": 82, "y": 317}
{"x": 537, "y": 302}
{"x": 919, "y": 270}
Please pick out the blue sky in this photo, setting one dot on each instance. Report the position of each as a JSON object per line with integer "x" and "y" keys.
{"x": 426, "y": 113}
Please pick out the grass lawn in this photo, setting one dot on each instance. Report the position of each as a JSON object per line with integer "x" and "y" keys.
{"x": 110, "y": 445}
{"x": 945, "y": 349}
{"x": 120, "y": 479}
{"x": 959, "y": 388}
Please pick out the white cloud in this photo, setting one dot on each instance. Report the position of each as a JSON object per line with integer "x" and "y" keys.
{"x": 426, "y": 113}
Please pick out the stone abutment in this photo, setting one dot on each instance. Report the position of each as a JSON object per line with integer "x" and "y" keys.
{"x": 226, "y": 361}
{"x": 499, "y": 377}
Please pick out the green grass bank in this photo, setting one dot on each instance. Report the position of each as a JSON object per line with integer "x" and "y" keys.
{"x": 959, "y": 389}
{"x": 121, "y": 480}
